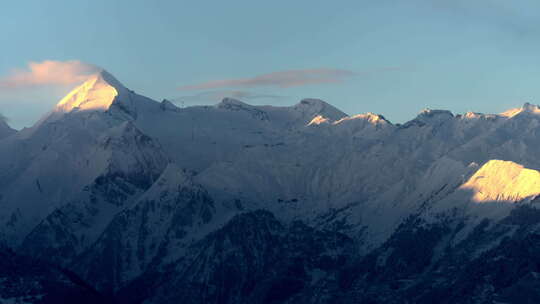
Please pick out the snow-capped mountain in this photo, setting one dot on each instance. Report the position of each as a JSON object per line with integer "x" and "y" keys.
{"x": 141, "y": 201}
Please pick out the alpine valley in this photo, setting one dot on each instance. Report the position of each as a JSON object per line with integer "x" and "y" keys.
{"x": 113, "y": 197}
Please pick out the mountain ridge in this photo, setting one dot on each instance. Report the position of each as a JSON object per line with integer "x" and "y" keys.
{"x": 121, "y": 189}
{"x": 5, "y": 129}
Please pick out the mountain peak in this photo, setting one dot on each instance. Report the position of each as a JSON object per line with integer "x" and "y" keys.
{"x": 526, "y": 108}
{"x": 314, "y": 107}
{"x": 472, "y": 115}
{"x": 96, "y": 93}
{"x": 5, "y": 129}
{"x": 228, "y": 103}
{"x": 429, "y": 117}
{"x": 313, "y": 103}
{"x": 370, "y": 117}
{"x": 529, "y": 107}
{"x": 499, "y": 180}
{"x": 429, "y": 113}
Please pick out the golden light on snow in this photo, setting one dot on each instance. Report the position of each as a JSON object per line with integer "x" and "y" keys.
{"x": 526, "y": 107}
{"x": 94, "y": 94}
{"x": 370, "y": 117}
{"x": 500, "y": 180}
{"x": 317, "y": 120}
{"x": 373, "y": 119}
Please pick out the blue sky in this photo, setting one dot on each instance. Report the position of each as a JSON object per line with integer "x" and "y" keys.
{"x": 388, "y": 57}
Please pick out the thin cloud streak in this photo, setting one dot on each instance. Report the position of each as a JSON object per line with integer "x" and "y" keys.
{"x": 282, "y": 79}
{"x": 48, "y": 72}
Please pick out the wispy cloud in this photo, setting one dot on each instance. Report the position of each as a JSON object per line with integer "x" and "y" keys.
{"x": 214, "y": 96}
{"x": 282, "y": 79}
{"x": 48, "y": 72}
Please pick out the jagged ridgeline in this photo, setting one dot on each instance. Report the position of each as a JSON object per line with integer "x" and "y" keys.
{"x": 113, "y": 197}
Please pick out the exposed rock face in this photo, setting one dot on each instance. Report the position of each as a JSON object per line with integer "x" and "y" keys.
{"x": 252, "y": 259}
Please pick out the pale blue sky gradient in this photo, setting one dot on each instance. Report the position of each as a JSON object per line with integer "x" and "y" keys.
{"x": 461, "y": 55}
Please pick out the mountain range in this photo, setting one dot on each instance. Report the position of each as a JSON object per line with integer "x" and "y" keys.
{"x": 113, "y": 197}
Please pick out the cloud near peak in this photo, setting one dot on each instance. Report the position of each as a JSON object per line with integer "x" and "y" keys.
{"x": 48, "y": 72}
{"x": 282, "y": 79}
